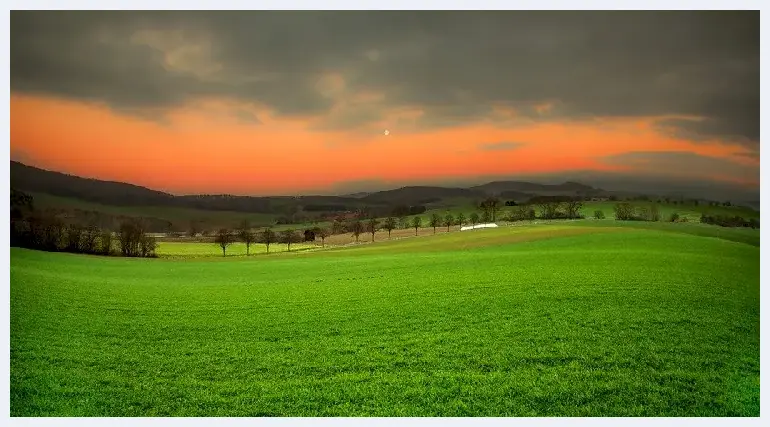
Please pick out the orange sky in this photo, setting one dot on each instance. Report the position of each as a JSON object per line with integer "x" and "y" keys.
{"x": 204, "y": 147}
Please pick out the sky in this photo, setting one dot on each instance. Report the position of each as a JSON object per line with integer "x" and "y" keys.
{"x": 264, "y": 103}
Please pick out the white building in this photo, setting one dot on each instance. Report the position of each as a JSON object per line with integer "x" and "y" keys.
{"x": 471, "y": 227}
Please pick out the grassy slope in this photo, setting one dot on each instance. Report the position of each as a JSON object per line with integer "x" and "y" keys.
{"x": 618, "y": 321}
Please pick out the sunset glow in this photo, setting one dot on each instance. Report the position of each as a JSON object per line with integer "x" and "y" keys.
{"x": 200, "y": 141}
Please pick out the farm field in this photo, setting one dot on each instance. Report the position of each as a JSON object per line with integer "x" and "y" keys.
{"x": 582, "y": 318}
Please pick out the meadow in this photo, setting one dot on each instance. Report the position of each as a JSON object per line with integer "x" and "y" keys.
{"x": 583, "y": 318}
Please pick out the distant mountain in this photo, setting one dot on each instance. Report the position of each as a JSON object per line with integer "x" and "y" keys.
{"x": 418, "y": 195}
{"x": 497, "y": 187}
{"x": 357, "y": 195}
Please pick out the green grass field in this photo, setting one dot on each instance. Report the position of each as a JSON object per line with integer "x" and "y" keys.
{"x": 585, "y": 318}
{"x": 238, "y": 249}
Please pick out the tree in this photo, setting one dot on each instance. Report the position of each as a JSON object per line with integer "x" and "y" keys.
{"x": 53, "y": 232}
{"x": 74, "y": 238}
{"x": 599, "y": 214}
{"x": 486, "y": 216}
{"x": 88, "y": 242}
{"x": 549, "y": 208}
{"x": 323, "y": 233}
{"x": 194, "y": 229}
{"x": 522, "y": 213}
{"x": 416, "y": 223}
{"x": 449, "y": 221}
{"x": 435, "y": 221}
{"x": 105, "y": 243}
{"x": 403, "y": 222}
{"x": 573, "y": 206}
{"x": 147, "y": 246}
{"x": 389, "y": 224}
{"x": 356, "y": 227}
{"x": 461, "y": 219}
{"x": 623, "y": 211}
{"x": 130, "y": 237}
{"x": 338, "y": 227}
{"x": 246, "y": 235}
{"x": 372, "y": 226}
{"x": 493, "y": 206}
{"x": 474, "y": 219}
{"x": 224, "y": 239}
{"x": 288, "y": 237}
{"x": 268, "y": 237}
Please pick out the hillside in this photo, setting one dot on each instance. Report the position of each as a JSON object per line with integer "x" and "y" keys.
{"x": 35, "y": 180}
{"x": 32, "y": 179}
{"x": 107, "y": 203}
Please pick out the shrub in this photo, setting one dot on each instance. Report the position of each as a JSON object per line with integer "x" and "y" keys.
{"x": 599, "y": 214}
{"x": 729, "y": 221}
{"x": 674, "y": 217}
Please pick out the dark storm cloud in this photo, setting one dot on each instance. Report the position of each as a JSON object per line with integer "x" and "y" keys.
{"x": 500, "y": 146}
{"x": 453, "y": 65}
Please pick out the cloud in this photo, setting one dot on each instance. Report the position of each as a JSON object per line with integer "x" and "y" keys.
{"x": 454, "y": 66}
{"x": 500, "y": 146}
{"x": 684, "y": 165}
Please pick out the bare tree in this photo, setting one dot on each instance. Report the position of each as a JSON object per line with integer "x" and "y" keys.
{"x": 288, "y": 237}
{"x": 435, "y": 221}
{"x": 90, "y": 236}
{"x": 338, "y": 227}
{"x": 323, "y": 233}
{"x": 224, "y": 239}
{"x": 390, "y": 224}
{"x": 449, "y": 221}
{"x": 486, "y": 216}
{"x": 130, "y": 237}
{"x": 474, "y": 219}
{"x": 573, "y": 206}
{"x": 105, "y": 243}
{"x": 416, "y": 223}
{"x": 246, "y": 235}
{"x": 372, "y": 225}
{"x": 194, "y": 229}
{"x": 74, "y": 238}
{"x": 268, "y": 237}
{"x": 356, "y": 227}
{"x": 461, "y": 219}
{"x": 492, "y": 206}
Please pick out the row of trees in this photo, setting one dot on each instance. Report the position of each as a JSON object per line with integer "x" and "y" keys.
{"x": 43, "y": 231}
{"x": 34, "y": 229}
{"x": 224, "y": 237}
{"x": 625, "y": 211}
{"x": 729, "y": 221}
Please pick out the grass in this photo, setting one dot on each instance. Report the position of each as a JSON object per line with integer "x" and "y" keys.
{"x": 580, "y": 319}
{"x": 238, "y": 249}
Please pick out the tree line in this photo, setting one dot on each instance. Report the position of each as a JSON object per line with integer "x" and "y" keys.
{"x": 33, "y": 229}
